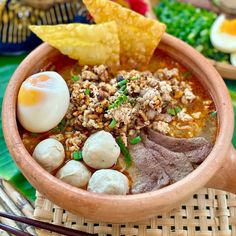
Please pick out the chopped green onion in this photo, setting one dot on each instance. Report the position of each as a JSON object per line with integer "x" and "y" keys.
{"x": 112, "y": 106}
{"x": 87, "y": 91}
{"x": 186, "y": 74}
{"x": 121, "y": 99}
{"x": 122, "y": 82}
{"x": 135, "y": 140}
{"x": 113, "y": 124}
{"x": 171, "y": 111}
{"x": 56, "y": 130}
{"x": 62, "y": 124}
{"x": 125, "y": 152}
{"x": 174, "y": 111}
{"x": 134, "y": 78}
{"x": 34, "y": 135}
{"x": 60, "y": 127}
{"x": 126, "y": 91}
{"x": 122, "y": 89}
{"x": 178, "y": 109}
{"x": 77, "y": 156}
{"x": 75, "y": 78}
{"x": 213, "y": 114}
{"x": 191, "y": 24}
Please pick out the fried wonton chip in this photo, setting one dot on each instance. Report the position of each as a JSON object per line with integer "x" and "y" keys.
{"x": 90, "y": 44}
{"x": 139, "y": 36}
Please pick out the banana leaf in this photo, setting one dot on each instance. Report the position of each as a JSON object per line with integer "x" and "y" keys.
{"x": 233, "y": 96}
{"x": 232, "y": 89}
{"x": 8, "y": 169}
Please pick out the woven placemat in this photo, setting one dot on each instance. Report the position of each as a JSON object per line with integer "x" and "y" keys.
{"x": 208, "y": 213}
{"x": 14, "y": 203}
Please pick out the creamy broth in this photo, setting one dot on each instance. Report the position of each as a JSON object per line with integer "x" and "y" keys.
{"x": 188, "y": 112}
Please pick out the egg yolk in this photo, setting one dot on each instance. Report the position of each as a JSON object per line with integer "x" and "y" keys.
{"x": 229, "y": 27}
{"x": 29, "y": 96}
{"x": 39, "y": 80}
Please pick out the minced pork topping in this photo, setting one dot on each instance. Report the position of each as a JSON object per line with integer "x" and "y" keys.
{"x": 128, "y": 102}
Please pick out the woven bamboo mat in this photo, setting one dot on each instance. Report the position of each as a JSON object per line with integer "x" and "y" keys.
{"x": 208, "y": 213}
{"x": 13, "y": 202}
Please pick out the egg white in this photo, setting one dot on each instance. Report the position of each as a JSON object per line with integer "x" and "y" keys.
{"x": 49, "y": 111}
{"x": 233, "y": 58}
{"x": 222, "y": 41}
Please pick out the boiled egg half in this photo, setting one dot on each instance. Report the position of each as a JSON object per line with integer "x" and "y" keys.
{"x": 43, "y": 101}
{"x": 223, "y": 34}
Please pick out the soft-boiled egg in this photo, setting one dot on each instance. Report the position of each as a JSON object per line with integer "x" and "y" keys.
{"x": 233, "y": 59}
{"x": 223, "y": 34}
{"x": 43, "y": 101}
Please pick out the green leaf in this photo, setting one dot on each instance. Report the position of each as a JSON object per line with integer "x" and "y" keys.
{"x": 87, "y": 91}
{"x": 134, "y": 78}
{"x": 171, "y": 111}
{"x": 233, "y": 96}
{"x": 113, "y": 124}
{"x": 8, "y": 169}
{"x": 75, "y": 78}
{"x": 78, "y": 156}
{"x": 232, "y": 89}
{"x": 178, "y": 109}
{"x": 213, "y": 114}
{"x": 187, "y": 74}
{"x": 125, "y": 152}
{"x": 135, "y": 140}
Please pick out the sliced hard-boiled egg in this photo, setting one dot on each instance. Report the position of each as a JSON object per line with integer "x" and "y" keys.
{"x": 233, "y": 58}
{"x": 223, "y": 34}
{"x": 42, "y": 102}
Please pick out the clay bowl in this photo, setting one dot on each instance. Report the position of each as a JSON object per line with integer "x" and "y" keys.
{"x": 217, "y": 171}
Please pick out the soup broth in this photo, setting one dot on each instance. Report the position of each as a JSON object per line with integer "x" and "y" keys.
{"x": 163, "y": 97}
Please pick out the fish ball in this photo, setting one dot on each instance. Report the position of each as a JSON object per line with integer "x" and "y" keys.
{"x": 50, "y": 154}
{"x": 100, "y": 150}
{"x": 109, "y": 182}
{"x": 74, "y": 173}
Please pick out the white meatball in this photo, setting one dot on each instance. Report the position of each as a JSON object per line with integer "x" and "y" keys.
{"x": 100, "y": 150}
{"x": 74, "y": 173}
{"x": 109, "y": 182}
{"x": 49, "y": 154}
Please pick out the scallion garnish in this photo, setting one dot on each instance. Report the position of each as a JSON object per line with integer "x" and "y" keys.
{"x": 178, "y": 109}
{"x": 34, "y": 135}
{"x": 123, "y": 82}
{"x": 122, "y": 89}
{"x": 174, "y": 111}
{"x": 171, "y": 111}
{"x": 134, "y": 78}
{"x": 121, "y": 99}
{"x": 135, "y": 140}
{"x": 60, "y": 127}
{"x": 186, "y": 74}
{"x": 75, "y": 78}
{"x": 87, "y": 91}
{"x": 113, "y": 124}
{"x": 77, "y": 156}
{"x": 125, "y": 152}
{"x": 125, "y": 91}
{"x": 213, "y": 114}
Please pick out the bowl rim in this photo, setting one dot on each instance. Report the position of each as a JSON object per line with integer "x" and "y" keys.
{"x": 195, "y": 180}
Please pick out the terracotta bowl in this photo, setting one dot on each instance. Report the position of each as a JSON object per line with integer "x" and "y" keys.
{"x": 217, "y": 171}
